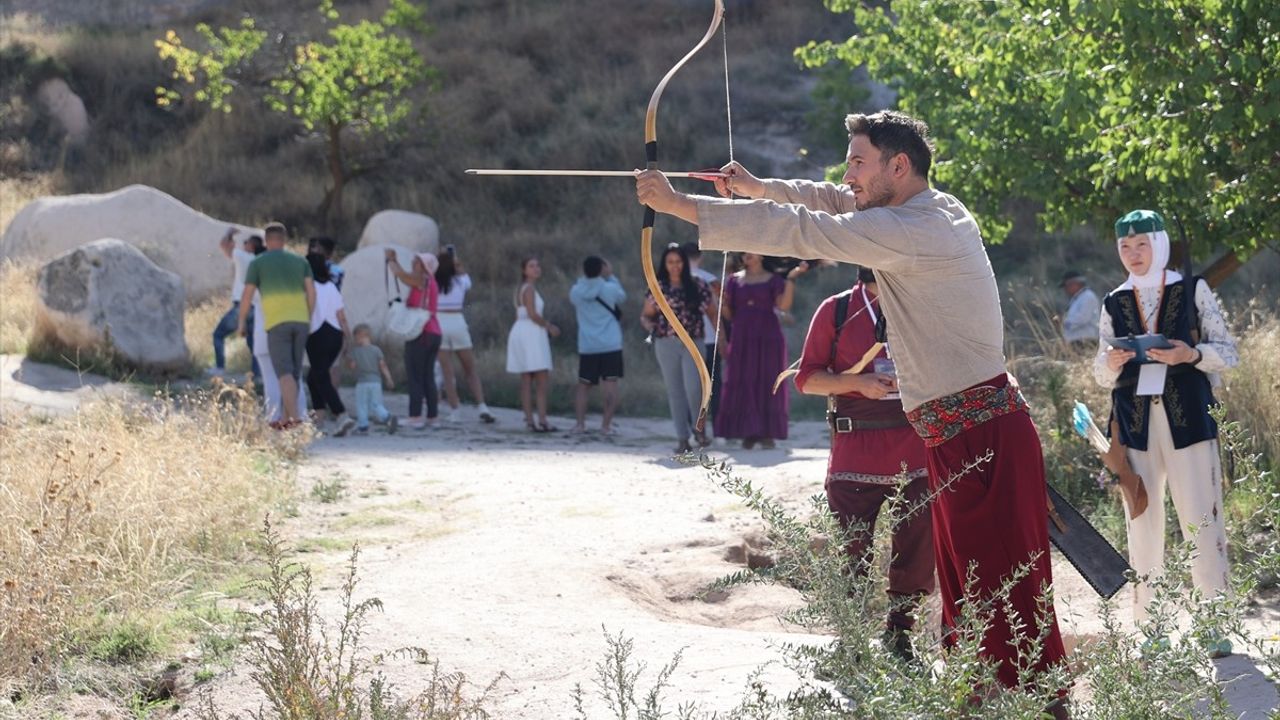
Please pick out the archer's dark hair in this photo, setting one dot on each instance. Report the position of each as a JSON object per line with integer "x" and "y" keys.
{"x": 892, "y": 133}
{"x": 256, "y": 244}
{"x": 692, "y": 297}
{"x": 691, "y": 250}
{"x": 445, "y": 271}
{"x": 319, "y": 267}
{"x": 592, "y": 266}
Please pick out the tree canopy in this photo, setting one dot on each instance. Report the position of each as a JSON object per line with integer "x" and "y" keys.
{"x": 356, "y": 78}
{"x": 1090, "y": 108}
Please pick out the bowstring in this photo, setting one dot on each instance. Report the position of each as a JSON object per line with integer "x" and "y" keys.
{"x": 724, "y": 263}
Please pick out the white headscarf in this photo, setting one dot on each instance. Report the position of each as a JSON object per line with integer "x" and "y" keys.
{"x": 1155, "y": 274}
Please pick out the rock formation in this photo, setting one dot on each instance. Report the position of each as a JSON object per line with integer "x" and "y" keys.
{"x": 173, "y": 235}
{"x": 66, "y": 108}
{"x": 411, "y": 230}
{"x": 107, "y": 296}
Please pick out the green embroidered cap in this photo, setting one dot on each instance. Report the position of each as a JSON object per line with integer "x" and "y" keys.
{"x": 1139, "y": 222}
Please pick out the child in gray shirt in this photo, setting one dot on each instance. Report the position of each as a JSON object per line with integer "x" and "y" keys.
{"x": 371, "y": 369}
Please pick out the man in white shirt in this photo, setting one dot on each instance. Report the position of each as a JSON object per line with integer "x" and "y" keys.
{"x": 240, "y": 258}
{"x": 1080, "y": 321}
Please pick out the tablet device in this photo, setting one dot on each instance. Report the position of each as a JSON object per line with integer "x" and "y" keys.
{"x": 1140, "y": 344}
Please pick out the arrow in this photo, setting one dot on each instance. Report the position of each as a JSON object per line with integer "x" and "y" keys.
{"x": 698, "y": 174}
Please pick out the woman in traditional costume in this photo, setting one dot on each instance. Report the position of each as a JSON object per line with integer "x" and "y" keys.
{"x": 1162, "y": 406}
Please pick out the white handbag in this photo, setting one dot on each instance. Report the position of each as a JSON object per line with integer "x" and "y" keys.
{"x": 403, "y": 321}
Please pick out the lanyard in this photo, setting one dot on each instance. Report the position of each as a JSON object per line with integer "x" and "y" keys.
{"x": 875, "y": 319}
{"x": 1142, "y": 315}
{"x": 870, "y": 311}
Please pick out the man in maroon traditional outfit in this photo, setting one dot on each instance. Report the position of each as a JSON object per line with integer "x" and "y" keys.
{"x": 873, "y": 449}
{"x": 947, "y": 333}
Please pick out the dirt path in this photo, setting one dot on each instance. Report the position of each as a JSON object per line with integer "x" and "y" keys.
{"x": 499, "y": 550}
{"x": 503, "y": 551}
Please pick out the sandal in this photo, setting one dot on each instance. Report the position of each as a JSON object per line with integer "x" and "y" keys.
{"x": 532, "y": 426}
{"x": 545, "y": 428}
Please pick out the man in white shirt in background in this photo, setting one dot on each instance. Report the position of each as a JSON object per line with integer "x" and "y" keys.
{"x": 1080, "y": 321}
{"x": 240, "y": 258}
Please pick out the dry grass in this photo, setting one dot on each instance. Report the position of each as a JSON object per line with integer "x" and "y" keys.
{"x": 116, "y": 509}
{"x": 17, "y": 305}
{"x": 1252, "y": 393}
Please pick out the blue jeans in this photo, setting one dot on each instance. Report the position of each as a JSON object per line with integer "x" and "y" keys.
{"x": 227, "y": 327}
{"x": 369, "y": 401}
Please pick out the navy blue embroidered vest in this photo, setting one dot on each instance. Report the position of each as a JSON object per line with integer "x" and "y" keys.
{"x": 1187, "y": 393}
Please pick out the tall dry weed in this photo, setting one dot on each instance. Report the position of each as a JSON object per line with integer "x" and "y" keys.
{"x": 118, "y": 507}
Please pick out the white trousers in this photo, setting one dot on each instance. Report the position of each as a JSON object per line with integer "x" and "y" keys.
{"x": 271, "y": 389}
{"x": 1194, "y": 478}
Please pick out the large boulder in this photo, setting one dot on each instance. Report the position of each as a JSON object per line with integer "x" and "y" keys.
{"x": 364, "y": 287}
{"x": 107, "y": 295}
{"x": 401, "y": 227}
{"x": 173, "y": 235}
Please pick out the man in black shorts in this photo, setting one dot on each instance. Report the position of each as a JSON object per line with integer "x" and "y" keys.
{"x": 597, "y": 297}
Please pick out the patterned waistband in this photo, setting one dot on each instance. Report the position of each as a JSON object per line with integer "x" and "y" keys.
{"x": 873, "y": 479}
{"x": 937, "y": 421}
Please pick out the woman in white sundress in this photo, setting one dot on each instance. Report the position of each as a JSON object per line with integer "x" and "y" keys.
{"x": 529, "y": 346}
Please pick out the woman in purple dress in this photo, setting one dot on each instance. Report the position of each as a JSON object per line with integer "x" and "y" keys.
{"x": 757, "y": 353}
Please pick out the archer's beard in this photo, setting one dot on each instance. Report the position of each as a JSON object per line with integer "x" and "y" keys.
{"x": 865, "y": 200}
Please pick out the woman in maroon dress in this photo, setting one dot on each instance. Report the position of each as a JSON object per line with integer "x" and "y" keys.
{"x": 757, "y": 353}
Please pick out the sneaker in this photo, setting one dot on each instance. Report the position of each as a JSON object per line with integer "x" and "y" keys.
{"x": 393, "y": 424}
{"x": 454, "y": 417}
{"x": 344, "y": 427}
{"x": 486, "y": 416}
{"x": 360, "y": 431}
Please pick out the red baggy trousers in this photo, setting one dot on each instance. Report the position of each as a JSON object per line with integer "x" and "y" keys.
{"x": 995, "y": 515}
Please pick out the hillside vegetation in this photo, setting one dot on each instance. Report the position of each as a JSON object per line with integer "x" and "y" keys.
{"x": 521, "y": 85}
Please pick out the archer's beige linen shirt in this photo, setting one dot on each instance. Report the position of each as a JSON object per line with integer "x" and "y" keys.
{"x": 938, "y": 291}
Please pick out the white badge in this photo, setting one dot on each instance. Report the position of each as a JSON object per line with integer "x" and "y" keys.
{"x": 1151, "y": 379}
{"x": 886, "y": 366}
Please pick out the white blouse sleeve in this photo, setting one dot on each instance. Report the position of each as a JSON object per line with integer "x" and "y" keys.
{"x": 1217, "y": 347}
{"x": 1103, "y": 375}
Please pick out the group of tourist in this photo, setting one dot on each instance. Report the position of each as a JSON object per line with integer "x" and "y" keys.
{"x": 286, "y": 306}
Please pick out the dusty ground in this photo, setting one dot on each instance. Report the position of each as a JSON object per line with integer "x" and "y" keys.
{"x": 499, "y": 550}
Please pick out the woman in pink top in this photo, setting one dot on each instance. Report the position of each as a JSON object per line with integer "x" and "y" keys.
{"x": 420, "y": 352}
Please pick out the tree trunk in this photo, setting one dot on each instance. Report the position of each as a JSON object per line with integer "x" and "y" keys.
{"x": 1217, "y": 272}
{"x": 331, "y": 207}
{"x": 1222, "y": 268}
